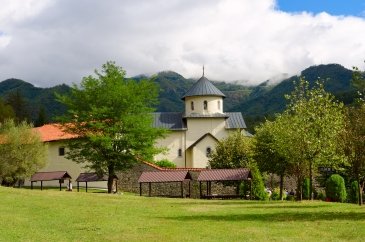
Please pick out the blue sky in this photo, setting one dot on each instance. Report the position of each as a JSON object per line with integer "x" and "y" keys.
{"x": 333, "y": 7}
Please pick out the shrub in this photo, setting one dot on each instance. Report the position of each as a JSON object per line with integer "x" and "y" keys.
{"x": 165, "y": 163}
{"x": 306, "y": 189}
{"x": 354, "y": 192}
{"x": 258, "y": 188}
{"x": 276, "y": 194}
{"x": 335, "y": 189}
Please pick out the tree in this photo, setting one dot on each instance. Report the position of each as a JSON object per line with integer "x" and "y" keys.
{"x": 354, "y": 145}
{"x": 319, "y": 121}
{"x": 42, "y": 117}
{"x": 267, "y": 154}
{"x": 336, "y": 189}
{"x": 19, "y": 105}
{"x": 6, "y": 111}
{"x": 22, "y": 152}
{"x": 112, "y": 116}
{"x": 236, "y": 151}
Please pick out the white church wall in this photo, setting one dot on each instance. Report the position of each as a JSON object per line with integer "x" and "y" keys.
{"x": 212, "y": 105}
{"x": 174, "y": 141}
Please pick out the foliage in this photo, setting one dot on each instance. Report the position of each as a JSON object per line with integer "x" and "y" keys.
{"x": 165, "y": 163}
{"x": 22, "y": 152}
{"x": 275, "y": 195}
{"x": 258, "y": 187}
{"x": 354, "y": 192}
{"x": 6, "y": 111}
{"x": 306, "y": 189}
{"x": 335, "y": 188}
{"x": 20, "y": 106}
{"x": 112, "y": 115}
{"x": 235, "y": 151}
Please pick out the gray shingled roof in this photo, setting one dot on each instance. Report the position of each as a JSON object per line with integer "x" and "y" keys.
{"x": 203, "y": 87}
{"x": 169, "y": 120}
{"x": 235, "y": 121}
{"x": 213, "y": 115}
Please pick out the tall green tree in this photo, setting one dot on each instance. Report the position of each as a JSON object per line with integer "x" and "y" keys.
{"x": 20, "y": 106}
{"x": 267, "y": 153}
{"x": 319, "y": 121}
{"x": 22, "y": 152}
{"x": 112, "y": 116}
{"x": 6, "y": 111}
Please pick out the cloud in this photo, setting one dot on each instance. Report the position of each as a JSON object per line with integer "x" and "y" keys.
{"x": 51, "y": 42}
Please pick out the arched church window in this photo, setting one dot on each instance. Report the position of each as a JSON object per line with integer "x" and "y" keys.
{"x": 192, "y": 105}
{"x": 208, "y": 151}
{"x": 205, "y": 105}
{"x": 219, "y": 105}
{"x": 179, "y": 152}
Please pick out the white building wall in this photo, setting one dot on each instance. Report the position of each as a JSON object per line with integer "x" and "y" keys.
{"x": 200, "y": 158}
{"x": 174, "y": 141}
{"x": 214, "y": 105}
{"x": 55, "y": 162}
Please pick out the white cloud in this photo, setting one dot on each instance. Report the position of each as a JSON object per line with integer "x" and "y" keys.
{"x": 50, "y": 42}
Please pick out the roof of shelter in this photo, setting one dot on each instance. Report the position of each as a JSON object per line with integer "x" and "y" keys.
{"x": 53, "y": 132}
{"x": 203, "y": 87}
{"x": 164, "y": 176}
{"x": 238, "y": 174}
{"x": 91, "y": 177}
{"x": 50, "y": 175}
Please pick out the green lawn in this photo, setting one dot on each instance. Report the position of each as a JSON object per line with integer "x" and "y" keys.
{"x": 49, "y": 215}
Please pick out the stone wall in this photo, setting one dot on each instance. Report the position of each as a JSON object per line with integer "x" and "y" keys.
{"x": 128, "y": 182}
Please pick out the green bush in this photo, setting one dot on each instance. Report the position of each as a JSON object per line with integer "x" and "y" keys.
{"x": 276, "y": 194}
{"x": 321, "y": 196}
{"x": 290, "y": 198}
{"x": 306, "y": 188}
{"x": 335, "y": 189}
{"x": 165, "y": 163}
{"x": 258, "y": 188}
{"x": 354, "y": 192}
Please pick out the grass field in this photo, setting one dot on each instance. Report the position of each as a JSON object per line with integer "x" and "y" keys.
{"x": 34, "y": 215}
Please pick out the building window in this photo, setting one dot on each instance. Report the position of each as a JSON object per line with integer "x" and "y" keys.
{"x": 179, "y": 153}
{"x": 219, "y": 105}
{"x": 61, "y": 151}
{"x": 192, "y": 105}
{"x": 208, "y": 152}
{"x": 205, "y": 105}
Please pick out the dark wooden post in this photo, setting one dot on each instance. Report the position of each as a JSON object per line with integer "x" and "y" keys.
{"x": 41, "y": 185}
{"x": 140, "y": 188}
{"x": 182, "y": 190}
{"x": 60, "y": 184}
{"x": 200, "y": 189}
{"x": 116, "y": 186}
{"x": 149, "y": 189}
{"x": 78, "y": 186}
{"x": 207, "y": 188}
{"x": 86, "y": 186}
{"x": 189, "y": 190}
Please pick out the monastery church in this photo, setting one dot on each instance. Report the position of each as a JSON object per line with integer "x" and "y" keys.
{"x": 195, "y": 132}
{"x": 192, "y": 137}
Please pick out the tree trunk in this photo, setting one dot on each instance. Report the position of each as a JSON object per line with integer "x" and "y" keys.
{"x": 361, "y": 187}
{"x": 310, "y": 180}
{"x": 110, "y": 178}
{"x": 299, "y": 189}
{"x": 281, "y": 186}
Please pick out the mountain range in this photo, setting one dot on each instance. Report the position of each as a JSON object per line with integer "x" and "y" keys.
{"x": 255, "y": 102}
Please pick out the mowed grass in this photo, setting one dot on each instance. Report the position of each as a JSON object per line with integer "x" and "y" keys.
{"x": 49, "y": 215}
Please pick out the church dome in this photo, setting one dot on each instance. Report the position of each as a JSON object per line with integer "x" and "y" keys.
{"x": 203, "y": 87}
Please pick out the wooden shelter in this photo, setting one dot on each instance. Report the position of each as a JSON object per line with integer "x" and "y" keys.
{"x": 94, "y": 177}
{"x": 61, "y": 176}
{"x": 221, "y": 175}
{"x": 164, "y": 177}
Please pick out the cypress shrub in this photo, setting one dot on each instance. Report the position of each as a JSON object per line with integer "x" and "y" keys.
{"x": 354, "y": 192}
{"x": 276, "y": 194}
{"x": 306, "y": 190}
{"x": 335, "y": 189}
{"x": 165, "y": 163}
{"x": 258, "y": 187}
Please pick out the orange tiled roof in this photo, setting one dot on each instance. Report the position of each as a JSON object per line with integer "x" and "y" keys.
{"x": 53, "y": 132}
